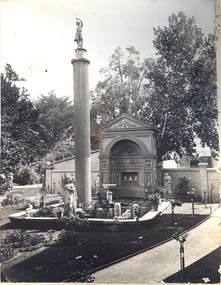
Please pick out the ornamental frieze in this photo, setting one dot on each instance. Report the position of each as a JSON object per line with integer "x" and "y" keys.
{"x": 126, "y": 163}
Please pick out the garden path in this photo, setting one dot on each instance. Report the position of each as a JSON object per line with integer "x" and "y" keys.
{"x": 158, "y": 263}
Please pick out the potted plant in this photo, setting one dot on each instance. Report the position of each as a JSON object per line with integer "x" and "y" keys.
{"x": 155, "y": 198}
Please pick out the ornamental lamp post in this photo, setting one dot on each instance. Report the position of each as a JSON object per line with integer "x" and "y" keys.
{"x": 211, "y": 192}
{"x": 205, "y": 191}
{"x": 192, "y": 194}
{"x": 181, "y": 238}
{"x": 174, "y": 202}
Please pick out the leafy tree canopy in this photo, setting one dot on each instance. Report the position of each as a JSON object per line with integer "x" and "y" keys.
{"x": 181, "y": 101}
{"x": 20, "y": 142}
{"x": 176, "y": 92}
{"x": 56, "y": 119}
{"x": 61, "y": 150}
{"x": 121, "y": 90}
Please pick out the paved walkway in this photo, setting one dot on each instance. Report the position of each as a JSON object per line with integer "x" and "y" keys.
{"x": 156, "y": 264}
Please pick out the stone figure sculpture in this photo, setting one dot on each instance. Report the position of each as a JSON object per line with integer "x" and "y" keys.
{"x": 78, "y": 35}
{"x": 167, "y": 184}
{"x": 70, "y": 197}
{"x": 126, "y": 215}
{"x": 97, "y": 183}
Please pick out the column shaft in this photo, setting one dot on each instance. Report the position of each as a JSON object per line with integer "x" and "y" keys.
{"x": 82, "y": 130}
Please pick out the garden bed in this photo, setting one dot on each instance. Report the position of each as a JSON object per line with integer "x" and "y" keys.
{"x": 55, "y": 263}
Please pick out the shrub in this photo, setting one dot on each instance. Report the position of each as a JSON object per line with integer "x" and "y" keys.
{"x": 21, "y": 238}
{"x": 7, "y": 252}
{"x": 27, "y": 175}
{"x": 69, "y": 236}
{"x": 5, "y": 184}
{"x": 61, "y": 150}
{"x": 183, "y": 185}
{"x": 15, "y": 199}
{"x": 76, "y": 222}
{"x": 31, "y": 201}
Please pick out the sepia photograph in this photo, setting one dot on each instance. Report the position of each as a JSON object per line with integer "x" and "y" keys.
{"x": 110, "y": 138}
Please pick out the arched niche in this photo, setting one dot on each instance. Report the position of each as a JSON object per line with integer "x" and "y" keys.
{"x": 125, "y": 148}
{"x": 127, "y": 141}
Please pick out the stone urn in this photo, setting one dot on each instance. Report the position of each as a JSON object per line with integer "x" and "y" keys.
{"x": 60, "y": 214}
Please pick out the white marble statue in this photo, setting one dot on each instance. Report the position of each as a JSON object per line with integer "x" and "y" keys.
{"x": 70, "y": 197}
{"x": 78, "y": 35}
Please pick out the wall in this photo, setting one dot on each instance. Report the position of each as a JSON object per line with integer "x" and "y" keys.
{"x": 176, "y": 174}
{"x": 66, "y": 166}
{"x": 212, "y": 177}
{"x": 59, "y": 169}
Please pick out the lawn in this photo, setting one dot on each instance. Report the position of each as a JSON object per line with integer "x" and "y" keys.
{"x": 97, "y": 249}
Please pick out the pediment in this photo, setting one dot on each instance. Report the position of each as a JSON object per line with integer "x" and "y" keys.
{"x": 125, "y": 121}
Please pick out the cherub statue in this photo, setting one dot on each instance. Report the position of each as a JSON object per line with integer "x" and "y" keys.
{"x": 78, "y": 35}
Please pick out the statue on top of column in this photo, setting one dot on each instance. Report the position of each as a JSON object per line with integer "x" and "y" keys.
{"x": 78, "y": 35}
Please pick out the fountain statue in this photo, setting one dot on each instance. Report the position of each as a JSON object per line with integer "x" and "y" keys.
{"x": 70, "y": 197}
{"x": 167, "y": 184}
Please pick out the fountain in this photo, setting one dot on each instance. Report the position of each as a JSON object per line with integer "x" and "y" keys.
{"x": 102, "y": 215}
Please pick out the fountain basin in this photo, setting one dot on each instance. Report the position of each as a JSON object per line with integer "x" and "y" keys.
{"x": 21, "y": 221}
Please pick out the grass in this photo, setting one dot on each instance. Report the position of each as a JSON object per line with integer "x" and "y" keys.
{"x": 54, "y": 264}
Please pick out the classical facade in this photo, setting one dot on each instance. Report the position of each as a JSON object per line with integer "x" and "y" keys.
{"x": 127, "y": 156}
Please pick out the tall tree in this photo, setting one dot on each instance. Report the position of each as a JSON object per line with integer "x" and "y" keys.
{"x": 61, "y": 150}
{"x": 176, "y": 93}
{"x": 20, "y": 141}
{"x": 56, "y": 118}
{"x": 181, "y": 102}
{"x": 122, "y": 87}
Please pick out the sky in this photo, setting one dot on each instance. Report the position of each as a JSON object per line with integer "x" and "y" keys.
{"x": 37, "y": 36}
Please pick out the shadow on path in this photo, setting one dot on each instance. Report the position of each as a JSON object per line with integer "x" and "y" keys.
{"x": 206, "y": 267}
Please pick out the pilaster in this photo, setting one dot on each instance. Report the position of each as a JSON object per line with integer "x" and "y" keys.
{"x": 203, "y": 179}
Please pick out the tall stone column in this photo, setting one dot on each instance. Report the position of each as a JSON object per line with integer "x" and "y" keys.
{"x": 82, "y": 126}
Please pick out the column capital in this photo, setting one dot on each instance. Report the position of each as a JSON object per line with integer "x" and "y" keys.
{"x": 74, "y": 60}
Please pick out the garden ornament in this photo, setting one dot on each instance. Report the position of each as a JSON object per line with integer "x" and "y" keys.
{"x": 78, "y": 35}
{"x": 167, "y": 184}
{"x": 70, "y": 197}
{"x": 136, "y": 210}
{"x": 126, "y": 215}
